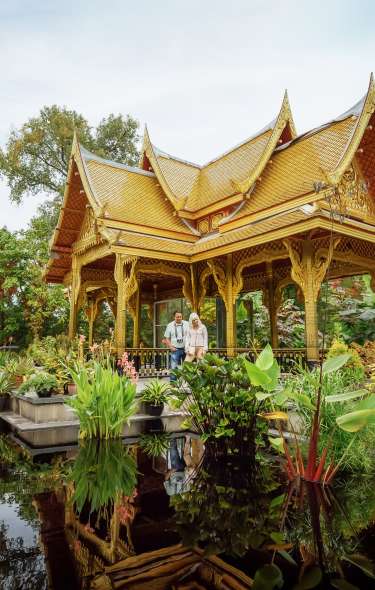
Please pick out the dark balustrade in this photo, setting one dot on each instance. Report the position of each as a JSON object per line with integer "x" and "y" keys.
{"x": 152, "y": 362}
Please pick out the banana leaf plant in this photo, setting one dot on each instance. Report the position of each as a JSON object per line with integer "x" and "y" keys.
{"x": 264, "y": 373}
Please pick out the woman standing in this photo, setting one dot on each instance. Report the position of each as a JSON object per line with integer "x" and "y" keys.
{"x": 196, "y": 343}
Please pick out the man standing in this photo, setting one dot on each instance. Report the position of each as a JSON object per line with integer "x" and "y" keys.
{"x": 174, "y": 338}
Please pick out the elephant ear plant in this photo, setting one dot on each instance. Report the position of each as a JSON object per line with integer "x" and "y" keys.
{"x": 104, "y": 401}
{"x": 224, "y": 400}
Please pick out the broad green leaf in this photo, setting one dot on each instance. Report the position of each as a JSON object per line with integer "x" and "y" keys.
{"x": 268, "y": 577}
{"x": 257, "y": 376}
{"x": 273, "y": 373}
{"x": 355, "y": 421}
{"x": 277, "y": 537}
{"x": 335, "y": 363}
{"x": 262, "y": 396}
{"x": 302, "y": 400}
{"x": 287, "y": 556}
{"x": 344, "y": 397}
{"x": 265, "y": 358}
{"x": 277, "y": 443}
{"x": 310, "y": 579}
{"x": 367, "y": 404}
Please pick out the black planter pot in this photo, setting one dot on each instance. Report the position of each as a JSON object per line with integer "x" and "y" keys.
{"x": 44, "y": 394}
{"x": 153, "y": 410}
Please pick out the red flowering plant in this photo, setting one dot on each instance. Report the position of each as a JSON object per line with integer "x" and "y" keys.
{"x": 126, "y": 367}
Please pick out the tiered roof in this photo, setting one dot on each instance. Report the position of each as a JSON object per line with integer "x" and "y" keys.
{"x": 266, "y": 184}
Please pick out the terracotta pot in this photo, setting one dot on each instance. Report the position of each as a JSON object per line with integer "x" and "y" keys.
{"x": 72, "y": 388}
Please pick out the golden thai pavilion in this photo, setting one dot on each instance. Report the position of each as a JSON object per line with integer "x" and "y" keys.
{"x": 279, "y": 208}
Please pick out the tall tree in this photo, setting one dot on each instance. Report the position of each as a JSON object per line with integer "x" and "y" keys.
{"x": 35, "y": 159}
{"x": 36, "y": 156}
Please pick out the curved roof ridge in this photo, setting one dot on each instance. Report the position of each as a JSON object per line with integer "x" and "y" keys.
{"x": 283, "y": 119}
{"x": 262, "y": 131}
{"x": 366, "y": 108}
{"x": 149, "y": 150}
{"x": 91, "y": 156}
{"x": 354, "y": 111}
{"x": 163, "y": 154}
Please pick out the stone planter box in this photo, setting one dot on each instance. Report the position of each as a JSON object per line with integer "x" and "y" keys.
{"x": 41, "y": 410}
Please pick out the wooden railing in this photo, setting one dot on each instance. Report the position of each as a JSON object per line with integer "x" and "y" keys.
{"x": 152, "y": 362}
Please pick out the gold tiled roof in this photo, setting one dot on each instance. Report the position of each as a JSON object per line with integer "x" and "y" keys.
{"x": 192, "y": 187}
{"x": 218, "y": 179}
{"x": 130, "y": 195}
{"x": 296, "y": 167}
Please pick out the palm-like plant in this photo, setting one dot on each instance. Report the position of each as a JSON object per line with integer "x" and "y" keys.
{"x": 104, "y": 401}
{"x": 156, "y": 392}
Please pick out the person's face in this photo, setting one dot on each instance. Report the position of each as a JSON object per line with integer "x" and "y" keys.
{"x": 178, "y": 318}
{"x": 195, "y": 323}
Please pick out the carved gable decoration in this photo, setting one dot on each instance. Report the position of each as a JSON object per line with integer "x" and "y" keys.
{"x": 210, "y": 223}
{"x": 89, "y": 235}
{"x": 352, "y": 196}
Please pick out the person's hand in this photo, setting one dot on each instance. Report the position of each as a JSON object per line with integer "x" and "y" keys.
{"x": 172, "y": 348}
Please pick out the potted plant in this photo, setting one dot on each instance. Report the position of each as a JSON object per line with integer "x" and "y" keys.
{"x": 154, "y": 396}
{"x": 5, "y": 386}
{"x": 24, "y": 367}
{"x": 42, "y": 383}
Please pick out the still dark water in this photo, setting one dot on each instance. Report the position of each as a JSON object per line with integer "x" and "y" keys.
{"x": 163, "y": 515}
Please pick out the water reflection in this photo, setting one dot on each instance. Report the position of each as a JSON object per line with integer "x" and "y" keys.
{"x": 114, "y": 515}
{"x": 327, "y": 529}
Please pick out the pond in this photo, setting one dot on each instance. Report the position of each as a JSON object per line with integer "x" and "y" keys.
{"x": 158, "y": 512}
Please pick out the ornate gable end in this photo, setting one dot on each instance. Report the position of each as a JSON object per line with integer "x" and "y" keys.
{"x": 89, "y": 234}
{"x": 352, "y": 197}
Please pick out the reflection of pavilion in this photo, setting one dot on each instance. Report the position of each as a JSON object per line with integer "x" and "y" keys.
{"x": 142, "y": 551}
{"x": 256, "y": 218}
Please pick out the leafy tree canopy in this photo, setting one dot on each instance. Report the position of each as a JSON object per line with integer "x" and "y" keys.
{"x": 36, "y": 156}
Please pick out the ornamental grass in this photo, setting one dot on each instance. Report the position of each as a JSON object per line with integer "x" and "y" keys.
{"x": 104, "y": 401}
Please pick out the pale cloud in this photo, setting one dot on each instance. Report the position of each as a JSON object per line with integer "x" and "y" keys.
{"x": 204, "y": 74}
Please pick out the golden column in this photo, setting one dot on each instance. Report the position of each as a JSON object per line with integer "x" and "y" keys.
{"x": 74, "y": 295}
{"x": 230, "y": 303}
{"x": 92, "y": 313}
{"x": 137, "y": 316}
{"x": 308, "y": 271}
{"x": 228, "y": 289}
{"x": 271, "y": 304}
{"x": 125, "y": 277}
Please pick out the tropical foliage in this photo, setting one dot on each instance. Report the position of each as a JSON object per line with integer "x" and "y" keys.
{"x": 104, "y": 400}
{"x": 223, "y": 402}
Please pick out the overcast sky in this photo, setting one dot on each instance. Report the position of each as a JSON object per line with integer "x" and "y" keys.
{"x": 203, "y": 75}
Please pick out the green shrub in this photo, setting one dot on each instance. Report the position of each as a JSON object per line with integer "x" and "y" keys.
{"x": 104, "y": 401}
{"x": 225, "y": 397}
{"x": 42, "y": 383}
